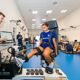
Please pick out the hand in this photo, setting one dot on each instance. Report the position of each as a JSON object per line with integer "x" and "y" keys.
{"x": 5, "y": 39}
{"x": 2, "y": 40}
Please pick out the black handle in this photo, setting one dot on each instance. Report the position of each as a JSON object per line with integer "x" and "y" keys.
{"x": 11, "y": 51}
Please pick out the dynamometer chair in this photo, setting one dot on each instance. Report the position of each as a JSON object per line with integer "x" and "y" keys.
{"x": 52, "y": 27}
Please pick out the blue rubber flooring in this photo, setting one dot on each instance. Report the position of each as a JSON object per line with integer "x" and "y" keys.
{"x": 68, "y": 63}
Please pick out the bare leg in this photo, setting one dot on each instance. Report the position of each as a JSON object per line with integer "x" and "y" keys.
{"x": 33, "y": 52}
{"x": 46, "y": 55}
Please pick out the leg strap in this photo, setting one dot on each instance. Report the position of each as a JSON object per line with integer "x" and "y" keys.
{"x": 38, "y": 51}
{"x": 26, "y": 59}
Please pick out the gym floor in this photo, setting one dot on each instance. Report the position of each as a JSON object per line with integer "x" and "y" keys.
{"x": 68, "y": 63}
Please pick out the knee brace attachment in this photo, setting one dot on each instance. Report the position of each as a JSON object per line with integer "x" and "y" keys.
{"x": 38, "y": 51}
{"x": 26, "y": 59}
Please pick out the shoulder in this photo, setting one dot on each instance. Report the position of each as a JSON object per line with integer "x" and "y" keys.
{"x": 41, "y": 33}
{"x": 53, "y": 33}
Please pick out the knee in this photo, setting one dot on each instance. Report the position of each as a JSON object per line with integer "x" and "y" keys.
{"x": 45, "y": 55}
{"x": 37, "y": 50}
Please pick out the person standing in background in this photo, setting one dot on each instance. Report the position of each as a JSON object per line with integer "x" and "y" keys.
{"x": 2, "y": 16}
{"x": 19, "y": 38}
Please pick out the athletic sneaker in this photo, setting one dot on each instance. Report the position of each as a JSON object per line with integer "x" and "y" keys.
{"x": 51, "y": 65}
{"x": 49, "y": 69}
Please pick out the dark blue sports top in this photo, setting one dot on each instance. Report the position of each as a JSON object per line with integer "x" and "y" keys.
{"x": 47, "y": 39}
{"x": 69, "y": 47}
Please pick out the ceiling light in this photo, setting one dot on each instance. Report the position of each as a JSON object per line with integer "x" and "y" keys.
{"x": 33, "y": 24}
{"x": 49, "y": 11}
{"x": 33, "y": 27}
{"x": 43, "y": 19}
{"x": 33, "y": 19}
{"x": 40, "y": 24}
{"x": 34, "y": 12}
{"x": 63, "y": 11}
{"x": 54, "y": 19}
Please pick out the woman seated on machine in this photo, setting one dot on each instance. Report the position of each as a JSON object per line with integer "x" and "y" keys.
{"x": 47, "y": 44}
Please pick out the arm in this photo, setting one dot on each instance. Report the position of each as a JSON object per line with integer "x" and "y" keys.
{"x": 40, "y": 39}
{"x": 40, "y": 42}
{"x": 55, "y": 45}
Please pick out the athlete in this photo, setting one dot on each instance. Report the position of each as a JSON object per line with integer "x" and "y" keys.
{"x": 47, "y": 44}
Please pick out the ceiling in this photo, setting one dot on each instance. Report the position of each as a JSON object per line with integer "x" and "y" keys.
{"x": 27, "y": 6}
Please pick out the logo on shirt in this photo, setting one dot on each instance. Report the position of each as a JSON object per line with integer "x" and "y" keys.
{"x": 48, "y": 35}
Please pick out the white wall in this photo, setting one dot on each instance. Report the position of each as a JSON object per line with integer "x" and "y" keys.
{"x": 9, "y": 8}
{"x": 34, "y": 32}
{"x": 72, "y": 19}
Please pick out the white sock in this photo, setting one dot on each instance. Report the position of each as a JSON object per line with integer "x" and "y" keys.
{"x": 51, "y": 65}
{"x": 19, "y": 61}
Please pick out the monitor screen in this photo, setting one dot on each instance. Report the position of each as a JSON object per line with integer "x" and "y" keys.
{"x": 6, "y": 35}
